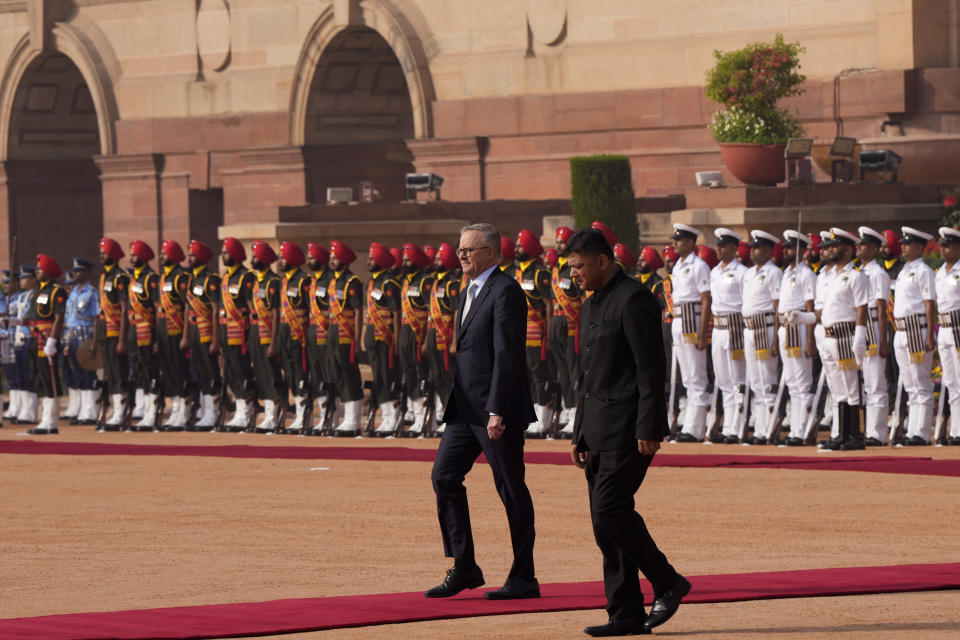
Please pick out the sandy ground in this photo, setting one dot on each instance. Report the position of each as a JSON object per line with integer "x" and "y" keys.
{"x": 92, "y": 533}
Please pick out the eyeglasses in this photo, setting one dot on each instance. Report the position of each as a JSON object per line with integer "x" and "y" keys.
{"x": 467, "y": 251}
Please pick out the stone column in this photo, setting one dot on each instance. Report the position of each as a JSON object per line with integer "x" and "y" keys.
{"x": 266, "y": 180}
{"x": 132, "y": 202}
{"x": 459, "y": 161}
{"x": 6, "y": 247}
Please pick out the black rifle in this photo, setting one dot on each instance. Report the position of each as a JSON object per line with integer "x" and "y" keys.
{"x": 368, "y": 429}
{"x": 779, "y": 408}
{"x": 401, "y": 410}
{"x": 556, "y": 401}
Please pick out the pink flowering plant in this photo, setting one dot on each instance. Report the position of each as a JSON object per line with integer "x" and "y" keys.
{"x": 747, "y": 83}
{"x": 950, "y": 211}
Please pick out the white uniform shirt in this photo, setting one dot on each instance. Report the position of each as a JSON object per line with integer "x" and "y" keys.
{"x": 915, "y": 284}
{"x": 823, "y": 281}
{"x": 879, "y": 283}
{"x": 848, "y": 290}
{"x": 798, "y": 286}
{"x": 690, "y": 277}
{"x": 761, "y": 286}
{"x": 948, "y": 288}
{"x": 726, "y": 288}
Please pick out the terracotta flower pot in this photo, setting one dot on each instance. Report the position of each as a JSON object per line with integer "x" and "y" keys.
{"x": 759, "y": 164}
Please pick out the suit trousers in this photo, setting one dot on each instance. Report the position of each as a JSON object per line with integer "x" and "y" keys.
{"x": 613, "y": 477}
{"x": 459, "y": 448}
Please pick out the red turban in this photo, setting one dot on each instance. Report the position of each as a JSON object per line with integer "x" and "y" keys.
{"x": 235, "y": 249}
{"x": 292, "y": 254}
{"x": 397, "y": 255}
{"x": 550, "y": 257}
{"x": 622, "y": 253}
{"x": 744, "y": 252}
{"x": 607, "y": 232}
{"x": 507, "y": 248}
{"x": 430, "y": 252}
{"x": 318, "y": 252}
{"x": 708, "y": 255}
{"x": 200, "y": 251}
{"x": 564, "y": 233}
{"x": 172, "y": 250}
{"x": 342, "y": 252}
{"x": 141, "y": 250}
{"x": 669, "y": 253}
{"x": 111, "y": 248}
{"x": 264, "y": 253}
{"x": 652, "y": 258}
{"x": 49, "y": 266}
{"x": 380, "y": 255}
{"x": 416, "y": 255}
{"x": 529, "y": 243}
{"x": 892, "y": 240}
{"x": 448, "y": 257}
{"x": 814, "y": 242}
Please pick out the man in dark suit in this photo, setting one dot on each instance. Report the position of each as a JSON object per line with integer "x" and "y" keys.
{"x": 621, "y": 420}
{"x": 488, "y": 410}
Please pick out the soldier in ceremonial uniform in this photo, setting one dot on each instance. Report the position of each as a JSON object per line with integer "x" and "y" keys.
{"x": 262, "y": 335}
{"x": 431, "y": 253}
{"x": 761, "y": 293}
{"x": 46, "y": 325}
{"x": 141, "y": 334}
{"x": 112, "y": 330}
{"x": 345, "y": 294}
{"x": 507, "y": 256}
{"x": 202, "y": 338}
{"x": 292, "y": 335}
{"x": 444, "y": 303}
{"x": 890, "y": 253}
{"x": 550, "y": 258}
{"x": 236, "y": 294}
{"x": 844, "y": 319}
{"x": 534, "y": 279}
{"x": 624, "y": 258}
{"x": 878, "y": 346}
{"x": 317, "y": 261}
{"x": 416, "y": 289}
{"x": 11, "y": 284}
{"x": 647, "y": 265}
{"x": 914, "y": 313}
{"x": 397, "y": 269}
{"x": 948, "y": 339}
{"x": 798, "y": 290}
{"x": 565, "y": 331}
{"x": 23, "y": 356}
{"x": 692, "y": 307}
{"x": 380, "y": 333}
{"x": 726, "y": 298}
{"x": 79, "y": 320}
{"x": 812, "y": 255}
{"x": 171, "y": 304}
{"x": 607, "y": 232}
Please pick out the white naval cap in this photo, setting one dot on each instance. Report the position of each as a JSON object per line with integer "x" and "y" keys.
{"x": 792, "y": 235}
{"x": 826, "y": 239}
{"x": 685, "y": 231}
{"x": 843, "y": 236}
{"x": 948, "y": 234}
{"x": 914, "y": 235}
{"x": 870, "y": 235}
{"x": 725, "y": 236}
{"x": 759, "y": 238}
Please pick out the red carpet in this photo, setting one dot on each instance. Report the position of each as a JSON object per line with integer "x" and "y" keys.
{"x": 823, "y": 461}
{"x": 314, "y": 614}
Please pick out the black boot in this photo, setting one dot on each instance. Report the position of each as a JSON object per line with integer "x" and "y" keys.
{"x": 854, "y": 439}
{"x": 836, "y": 444}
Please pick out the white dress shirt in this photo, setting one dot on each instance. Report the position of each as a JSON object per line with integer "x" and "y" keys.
{"x": 799, "y": 285}
{"x": 726, "y": 288}
{"x": 761, "y": 286}
{"x": 915, "y": 285}
{"x": 690, "y": 277}
{"x": 948, "y": 288}
{"x": 848, "y": 290}
{"x": 879, "y": 283}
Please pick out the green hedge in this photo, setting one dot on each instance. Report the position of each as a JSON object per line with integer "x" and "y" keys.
{"x": 603, "y": 190}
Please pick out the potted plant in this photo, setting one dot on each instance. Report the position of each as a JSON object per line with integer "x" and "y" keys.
{"x": 749, "y": 126}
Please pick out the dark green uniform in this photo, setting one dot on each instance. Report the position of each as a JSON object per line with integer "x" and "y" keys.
{"x": 345, "y": 294}
{"x": 317, "y": 331}
{"x": 564, "y": 330}
{"x": 294, "y": 307}
{"x": 49, "y": 302}
{"x": 534, "y": 279}
{"x": 443, "y": 309}
{"x": 415, "y": 304}
{"x": 142, "y": 329}
{"x": 172, "y": 296}
{"x": 380, "y": 343}
{"x": 266, "y": 368}
{"x": 236, "y": 294}
{"x": 204, "y": 291}
{"x": 114, "y": 283}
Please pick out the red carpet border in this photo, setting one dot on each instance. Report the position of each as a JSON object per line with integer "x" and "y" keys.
{"x": 823, "y": 462}
{"x": 316, "y": 614}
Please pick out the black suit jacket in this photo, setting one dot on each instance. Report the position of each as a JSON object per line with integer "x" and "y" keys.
{"x": 490, "y": 371}
{"x": 623, "y": 368}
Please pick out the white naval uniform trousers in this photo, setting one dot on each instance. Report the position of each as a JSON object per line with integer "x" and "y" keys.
{"x": 761, "y": 289}
{"x": 874, "y": 366}
{"x": 948, "y": 300}
{"x": 915, "y": 285}
{"x": 798, "y": 287}
{"x": 729, "y": 375}
{"x": 690, "y": 278}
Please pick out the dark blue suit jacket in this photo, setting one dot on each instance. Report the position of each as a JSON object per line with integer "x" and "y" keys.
{"x": 490, "y": 372}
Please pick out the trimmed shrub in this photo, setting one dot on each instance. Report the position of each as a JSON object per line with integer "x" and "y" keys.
{"x": 602, "y": 189}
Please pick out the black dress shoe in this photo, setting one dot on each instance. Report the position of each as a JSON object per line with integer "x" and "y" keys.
{"x": 666, "y": 604}
{"x": 630, "y": 627}
{"x": 953, "y": 441}
{"x": 793, "y": 442}
{"x": 731, "y": 439}
{"x": 916, "y": 441}
{"x": 456, "y": 581}
{"x": 43, "y": 432}
{"x": 686, "y": 437}
{"x": 873, "y": 442}
{"x": 853, "y": 443}
{"x": 515, "y": 589}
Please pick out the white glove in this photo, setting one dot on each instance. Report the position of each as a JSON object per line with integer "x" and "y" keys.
{"x": 50, "y": 348}
{"x": 859, "y": 345}
{"x": 802, "y": 317}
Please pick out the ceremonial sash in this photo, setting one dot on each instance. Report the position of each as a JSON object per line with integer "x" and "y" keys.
{"x": 264, "y": 314}
{"x": 536, "y": 323}
{"x": 233, "y": 319}
{"x": 688, "y": 321}
{"x": 381, "y": 318}
{"x": 111, "y": 310}
{"x": 761, "y": 336}
{"x": 570, "y": 307}
{"x": 343, "y": 317}
{"x": 292, "y": 316}
{"x": 144, "y": 319}
{"x": 170, "y": 310}
{"x": 914, "y": 326}
{"x": 842, "y": 332}
{"x": 201, "y": 316}
{"x": 872, "y": 330}
{"x": 42, "y": 326}
{"x": 319, "y": 317}
{"x": 668, "y": 298}
{"x": 443, "y": 326}
{"x": 415, "y": 318}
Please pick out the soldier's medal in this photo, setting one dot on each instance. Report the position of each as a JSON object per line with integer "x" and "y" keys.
{"x": 198, "y": 290}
